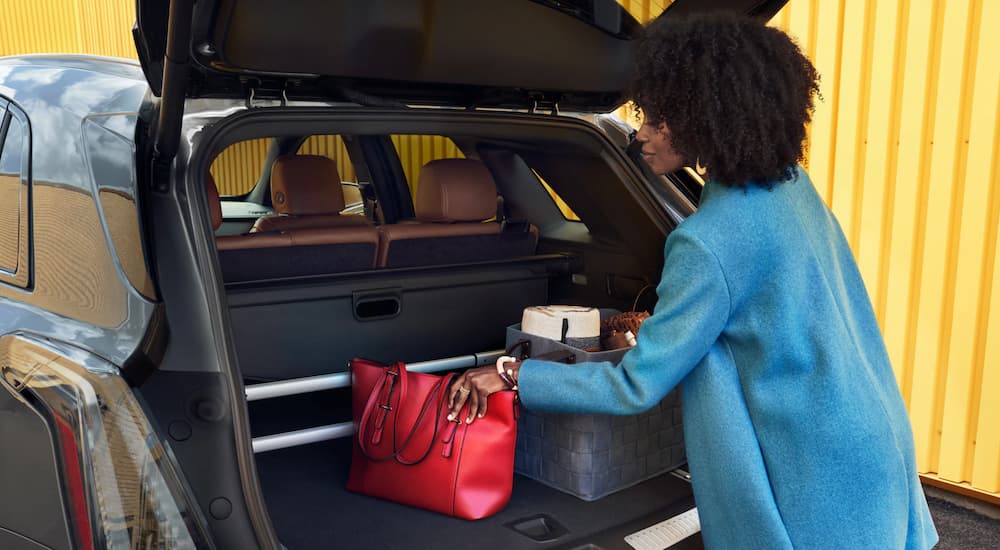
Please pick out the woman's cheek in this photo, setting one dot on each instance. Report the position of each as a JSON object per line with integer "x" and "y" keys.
{"x": 670, "y": 163}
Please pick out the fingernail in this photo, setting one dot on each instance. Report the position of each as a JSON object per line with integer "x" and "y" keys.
{"x": 468, "y": 420}
{"x": 451, "y": 417}
{"x": 482, "y": 415}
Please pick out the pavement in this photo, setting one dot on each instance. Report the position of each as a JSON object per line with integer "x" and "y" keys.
{"x": 963, "y": 523}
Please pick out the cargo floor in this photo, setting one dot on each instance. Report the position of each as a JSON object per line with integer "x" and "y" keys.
{"x": 311, "y": 509}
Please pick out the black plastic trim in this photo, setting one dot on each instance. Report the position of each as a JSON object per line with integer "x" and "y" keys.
{"x": 539, "y": 528}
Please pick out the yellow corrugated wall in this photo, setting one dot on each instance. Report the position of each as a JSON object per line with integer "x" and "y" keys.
{"x": 415, "y": 151}
{"x": 238, "y": 167}
{"x": 905, "y": 147}
{"x": 100, "y": 27}
{"x": 332, "y": 147}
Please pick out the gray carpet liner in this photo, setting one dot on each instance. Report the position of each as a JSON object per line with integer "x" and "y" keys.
{"x": 310, "y": 508}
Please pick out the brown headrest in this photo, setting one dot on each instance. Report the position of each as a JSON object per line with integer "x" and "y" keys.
{"x": 455, "y": 190}
{"x": 315, "y": 221}
{"x": 214, "y": 203}
{"x": 306, "y": 184}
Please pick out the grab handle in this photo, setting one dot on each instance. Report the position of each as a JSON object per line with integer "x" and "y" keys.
{"x": 377, "y": 305}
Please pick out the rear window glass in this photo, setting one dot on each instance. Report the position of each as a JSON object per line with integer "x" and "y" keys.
{"x": 567, "y": 212}
{"x": 13, "y": 200}
{"x": 238, "y": 167}
{"x": 333, "y": 147}
{"x": 10, "y": 195}
{"x": 417, "y": 150}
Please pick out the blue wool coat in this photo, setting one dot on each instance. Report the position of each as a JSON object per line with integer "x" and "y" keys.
{"x": 796, "y": 432}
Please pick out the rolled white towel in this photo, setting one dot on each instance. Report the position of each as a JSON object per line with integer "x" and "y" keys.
{"x": 576, "y": 326}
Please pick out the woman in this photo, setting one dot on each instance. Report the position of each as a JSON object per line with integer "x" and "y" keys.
{"x": 796, "y": 433}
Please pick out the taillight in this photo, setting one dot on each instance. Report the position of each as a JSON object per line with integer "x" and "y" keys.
{"x": 74, "y": 486}
{"x": 121, "y": 485}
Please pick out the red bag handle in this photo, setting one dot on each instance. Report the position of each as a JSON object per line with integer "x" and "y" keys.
{"x": 386, "y": 384}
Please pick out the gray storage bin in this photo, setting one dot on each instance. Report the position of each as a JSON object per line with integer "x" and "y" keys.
{"x": 588, "y": 455}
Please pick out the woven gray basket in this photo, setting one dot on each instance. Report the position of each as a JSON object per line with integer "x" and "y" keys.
{"x": 591, "y": 456}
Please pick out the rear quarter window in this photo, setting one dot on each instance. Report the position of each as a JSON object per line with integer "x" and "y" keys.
{"x": 564, "y": 208}
{"x": 15, "y": 197}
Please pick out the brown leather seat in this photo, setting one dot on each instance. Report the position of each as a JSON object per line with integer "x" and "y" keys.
{"x": 279, "y": 254}
{"x": 454, "y": 196}
{"x": 306, "y": 193}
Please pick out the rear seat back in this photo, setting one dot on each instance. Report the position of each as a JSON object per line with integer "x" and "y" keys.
{"x": 224, "y": 242}
{"x": 299, "y": 252}
{"x": 306, "y": 193}
{"x": 454, "y": 196}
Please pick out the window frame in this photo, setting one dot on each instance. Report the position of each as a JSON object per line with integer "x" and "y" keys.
{"x": 21, "y": 276}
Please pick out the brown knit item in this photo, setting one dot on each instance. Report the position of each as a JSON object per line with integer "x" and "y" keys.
{"x": 627, "y": 321}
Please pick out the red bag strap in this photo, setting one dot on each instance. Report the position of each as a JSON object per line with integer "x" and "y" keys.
{"x": 380, "y": 404}
{"x": 441, "y": 387}
{"x": 392, "y": 376}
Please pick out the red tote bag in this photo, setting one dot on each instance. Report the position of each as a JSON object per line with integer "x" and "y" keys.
{"x": 406, "y": 450}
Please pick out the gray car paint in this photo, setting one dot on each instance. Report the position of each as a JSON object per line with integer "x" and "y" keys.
{"x": 58, "y": 100}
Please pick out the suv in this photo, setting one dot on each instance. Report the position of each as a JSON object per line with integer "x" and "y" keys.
{"x": 173, "y": 369}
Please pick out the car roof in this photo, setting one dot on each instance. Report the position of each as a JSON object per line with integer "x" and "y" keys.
{"x": 114, "y": 66}
{"x": 75, "y": 85}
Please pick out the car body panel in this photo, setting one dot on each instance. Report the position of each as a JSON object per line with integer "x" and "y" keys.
{"x": 121, "y": 484}
{"x": 37, "y": 519}
{"x": 89, "y": 280}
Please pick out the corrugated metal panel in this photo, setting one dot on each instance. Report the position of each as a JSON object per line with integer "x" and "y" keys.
{"x": 331, "y": 147}
{"x": 236, "y": 170}
{"x": 905, "y": 148}
{"x": 415, "y": 151}
{"x": 238, "y": 167}
{"x": 101, "y": 27}
{"x": 644, "y": 10}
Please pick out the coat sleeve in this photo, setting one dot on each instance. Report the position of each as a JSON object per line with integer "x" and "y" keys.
{"x": 692, "y": 309}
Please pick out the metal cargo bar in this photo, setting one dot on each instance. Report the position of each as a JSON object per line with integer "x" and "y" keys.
{"x": 341, "y": 380}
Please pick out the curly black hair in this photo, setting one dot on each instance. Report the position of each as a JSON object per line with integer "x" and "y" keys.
{"x": 735, "y": 94}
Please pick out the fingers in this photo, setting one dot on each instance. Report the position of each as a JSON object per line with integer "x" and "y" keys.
{"x": 478, "y": 399}
{"x": 482, "y": 406}
{"x": 459, "y": 395}
{"x": 473, "y": 387}
{"x": 454, "y": 394}
{"x": 474, "y": 399}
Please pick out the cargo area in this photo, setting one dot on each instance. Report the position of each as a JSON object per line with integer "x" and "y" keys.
{"x": 284, "y": 333}
{"x": 445, "y": 303}
{"x": 304, "y": 487}
{"x": 323, "y": 257}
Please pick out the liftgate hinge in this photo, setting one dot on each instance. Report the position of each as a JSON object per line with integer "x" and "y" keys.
{"x": 541, "y": 104}
{"x": 258, "y": 93}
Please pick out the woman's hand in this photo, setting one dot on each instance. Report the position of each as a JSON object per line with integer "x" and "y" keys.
{"x": 474, "y": 386}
